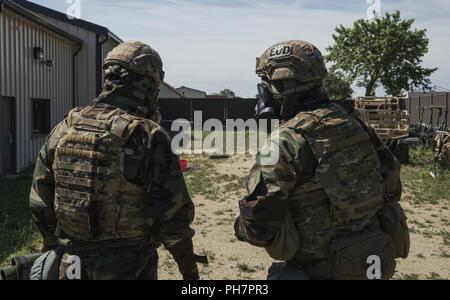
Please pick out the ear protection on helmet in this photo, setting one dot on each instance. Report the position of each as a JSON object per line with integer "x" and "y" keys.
{"x": 144, "y": 60}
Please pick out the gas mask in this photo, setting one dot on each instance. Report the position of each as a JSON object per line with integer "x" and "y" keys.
{"x": 280, "y": 99}
{"x": 268, "y": 106}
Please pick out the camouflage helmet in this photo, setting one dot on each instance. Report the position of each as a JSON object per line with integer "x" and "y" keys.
{"x": 297, "y": 60}
{"x": 137, "y": 57}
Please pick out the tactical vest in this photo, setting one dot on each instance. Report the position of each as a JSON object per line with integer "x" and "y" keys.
{"x": 345, "y": 193}
{"x": 93, "y": 199}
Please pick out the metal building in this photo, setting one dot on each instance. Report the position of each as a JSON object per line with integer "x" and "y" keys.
{"x": 97, "y": 42}
{"x": 191, "y": 93}
{"x": 48, "y": 64}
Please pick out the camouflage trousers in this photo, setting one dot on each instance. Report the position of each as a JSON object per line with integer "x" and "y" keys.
{"x": 119, "y": 264}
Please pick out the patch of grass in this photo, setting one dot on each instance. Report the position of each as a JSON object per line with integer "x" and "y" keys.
{"x": 434, "y": 276}
{"x": 18, "y": 235}
{"x": 234, "y": 186}
{"x": 417, "y": 178}
{"x": 446, "y": 237}
{"x": 420, "y": 225}
{"x": 227, "y": 178}
{"x": 245, "y": 276}
{"x": 404, "y": 276}
{"x": 245, "y": 268}
{"x": 444, "y": 254}
{"x": 200, "y": 179}
{"x": 420, "y": 156}
{"x": 428, "y": 235}
{"x": 218, "y": 140}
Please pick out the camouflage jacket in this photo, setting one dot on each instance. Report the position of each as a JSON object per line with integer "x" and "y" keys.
{"x": 148, "y": 157}
{"x": 272, "y": 188}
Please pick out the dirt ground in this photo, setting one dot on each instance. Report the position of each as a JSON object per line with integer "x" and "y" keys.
{"x": 216, "y": 187}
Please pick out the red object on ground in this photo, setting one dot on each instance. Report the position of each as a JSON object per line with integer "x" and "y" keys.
{"x": 184, "y": 165}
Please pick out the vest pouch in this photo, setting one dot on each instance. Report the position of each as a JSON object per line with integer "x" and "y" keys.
{"x": 79, "y": 219}
{"x": 393, "y": 222}
{"x": 349, "y": 255}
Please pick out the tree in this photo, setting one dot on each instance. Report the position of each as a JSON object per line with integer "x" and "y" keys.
{"x": 382, "y": 52}
{"x": 228, "y": 93}
{"x": 337, "y": 87}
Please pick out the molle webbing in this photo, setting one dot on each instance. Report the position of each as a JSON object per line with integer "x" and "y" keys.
{"x": 80, "y": 167}
{"x": 75, "y": 195}
{"x": 83, "y": 139}
{"x": 81, "y": 153}
{"x": 93, "y": 199}
{"x": 76, "y": 181}
{"x": 93, "y": 124}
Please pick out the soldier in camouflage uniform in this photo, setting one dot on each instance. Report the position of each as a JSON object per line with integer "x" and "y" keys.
{"x": 331, "y": 201}
{"x": 107, "y": 186}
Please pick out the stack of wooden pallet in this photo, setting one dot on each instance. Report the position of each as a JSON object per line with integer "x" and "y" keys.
{"x": 385, "y": 115}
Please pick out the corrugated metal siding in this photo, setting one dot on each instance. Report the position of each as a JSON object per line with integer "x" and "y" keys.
{"x": 86, "y": 62}
{"x": 417, "y": 102}
{"x": 23, "y": 78}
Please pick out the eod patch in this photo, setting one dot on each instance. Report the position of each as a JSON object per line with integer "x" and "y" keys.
{"x": 280, "y": 51}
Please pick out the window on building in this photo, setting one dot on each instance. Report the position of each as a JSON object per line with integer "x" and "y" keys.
{"x": 41, "y": 116}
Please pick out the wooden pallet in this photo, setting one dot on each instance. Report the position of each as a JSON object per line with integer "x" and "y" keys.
{"x": 380, "y": 118}
{"x": 373, "y": 103}
{"x": 385, "y": 116}
{"x": 392, "y": 133}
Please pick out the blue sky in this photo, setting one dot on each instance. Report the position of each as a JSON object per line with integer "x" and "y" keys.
{"x": 212, "y": 44}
